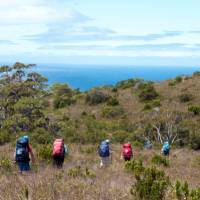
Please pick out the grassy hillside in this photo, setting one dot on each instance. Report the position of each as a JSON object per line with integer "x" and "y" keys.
{"x": 81, "y": 177}
{"x": 132, "y": 110}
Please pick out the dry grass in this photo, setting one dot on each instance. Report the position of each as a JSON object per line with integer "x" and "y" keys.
{"x": 112, "y": 183}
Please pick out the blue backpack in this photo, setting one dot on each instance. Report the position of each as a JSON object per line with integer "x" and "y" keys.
{"x": 104, "y": 150}
{"x": 22, "y": 153}
{"x": 166, "y": 148}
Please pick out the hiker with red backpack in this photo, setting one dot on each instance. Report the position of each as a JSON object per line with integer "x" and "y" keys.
{"x": 21, "y": 155}
{"x": 127, "y": 152}
{"x": 104, "y": 153}
{"x": 59, "y": 152}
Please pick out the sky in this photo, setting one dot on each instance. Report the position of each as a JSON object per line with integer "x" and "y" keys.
{"x": 129, "y": 32}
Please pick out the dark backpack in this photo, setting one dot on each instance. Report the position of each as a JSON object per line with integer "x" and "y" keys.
{"x": 127, "y": 151}
{"x": 22, "y": 152}
{"x": 104, "y": 150}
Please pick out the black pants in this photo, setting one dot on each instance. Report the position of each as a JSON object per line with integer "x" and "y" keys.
{"x": 127, "y": 158}
{"x": 58, "y": 161}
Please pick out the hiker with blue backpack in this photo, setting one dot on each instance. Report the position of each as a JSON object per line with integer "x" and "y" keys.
{"x": 104, "y": 153}
{"x": 166, "y": 148}
{"x": 21, "y": 155}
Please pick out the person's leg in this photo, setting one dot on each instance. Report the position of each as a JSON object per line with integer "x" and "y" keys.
{"x": 101, "y": 162}
{"x": 20, "y": 167}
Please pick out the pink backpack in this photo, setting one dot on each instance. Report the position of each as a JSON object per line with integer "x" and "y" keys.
{"x": 127, "y": 150}
{"x": 58, "y": 147}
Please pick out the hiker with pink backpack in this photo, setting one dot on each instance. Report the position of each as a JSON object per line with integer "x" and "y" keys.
{"x": 59, "y": 152}
{"x": 127, "y": 152}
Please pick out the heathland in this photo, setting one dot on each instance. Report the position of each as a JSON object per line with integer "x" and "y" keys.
{"x": 133, "y": 110}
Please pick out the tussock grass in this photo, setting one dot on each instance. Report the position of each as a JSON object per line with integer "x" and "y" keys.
{"x": 90, "y": 182}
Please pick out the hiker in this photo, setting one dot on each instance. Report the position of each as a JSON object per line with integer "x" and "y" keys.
{"x": 21, "y": 155}
{"x": 127, "y": 152}
{"x": 59, "y": 152}
{"x": 147, "y": 144}
{"x": 104, "y": 153}
{"x": 166, "y": 148}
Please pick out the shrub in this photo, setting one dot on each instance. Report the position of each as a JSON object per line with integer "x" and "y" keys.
{"x": 195, "y": 194}
{"x": 88, "y": 137}
{"x": 138, "y": 144}
{"x": 4, "y": 137}
{"x": 62, "y": 101}
{"x": 5, "y": 164}
{"x": 182, "y": 190}
{"x": 185, "y": 97}
{"x": 44, "y": 152}
{"x": 197, "y": 73}
{"x": 135, "y": 167}
{"x": 96, "y": 97}
{"x": 41, "y": 136}
{"x": 113, "y": 102}
{"x": 151, "y": 184}
{"x": 160, "y": 160}
{"x": 195, "y": 141}
{"x": 79, "y": 171}
{"x": 147, "y": 92}
{"x": 128, "y": 83}
{"x": 147, "y": 106}
{"x": 178, "y": 79}
{"x": 194, "y": 109}
{"x": 112, "y": 112}
{"x": 120, "y": 136}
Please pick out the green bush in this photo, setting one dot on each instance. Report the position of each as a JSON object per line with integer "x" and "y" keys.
{"x": 120, "y": 136}
{"x": 44, "y": 152}
{"x": 178, "y": 79}
{"x": 151, "y": 184}
{"x": 5, "y": 137}
{"x": 128, "y": 83}
{"x": 194, "y": 109}
{"x": 112, "y": 112}
{"x": 135, "y": 167}
{"x": 62, "y": 102}
{"x": 182, "y": 190}
{"x": 96, "y": 97}
{"x": 195, "y": 194}
{"x": 5, "y": 164}
{"x": 185, "y": 97}
{"x": 195, "y": 141}
{"x": 113, "y": 102}
{"x": 147, "y": 92}
{"x": 147, "y": 106}
{"x": 41, "y": 136}
{"x": 78, "y": 171}
{"x": 160, "y": 160}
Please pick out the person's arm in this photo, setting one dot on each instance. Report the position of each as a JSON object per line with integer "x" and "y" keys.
{"x": 31, "y": 153}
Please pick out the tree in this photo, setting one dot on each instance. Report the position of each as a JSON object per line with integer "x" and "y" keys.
{"x": 21, "y": 98}
{"x": 167, "y": 125}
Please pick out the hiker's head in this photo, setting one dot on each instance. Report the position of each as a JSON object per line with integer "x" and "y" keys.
{"x": 107, "y": 141}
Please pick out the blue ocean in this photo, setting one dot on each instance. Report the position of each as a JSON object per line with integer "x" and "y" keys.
{"x": 86, "y": 77}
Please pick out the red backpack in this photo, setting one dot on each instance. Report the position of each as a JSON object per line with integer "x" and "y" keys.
{"x": 58, "y": 147}
{"x": 127, "y": 150}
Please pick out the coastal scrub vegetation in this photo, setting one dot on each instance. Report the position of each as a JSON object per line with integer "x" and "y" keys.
{"x": 133, "y": 110}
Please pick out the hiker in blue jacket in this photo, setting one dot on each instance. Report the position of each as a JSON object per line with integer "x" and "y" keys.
{"x": 104, "y": 153}
{"x": 166, "y": 148}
